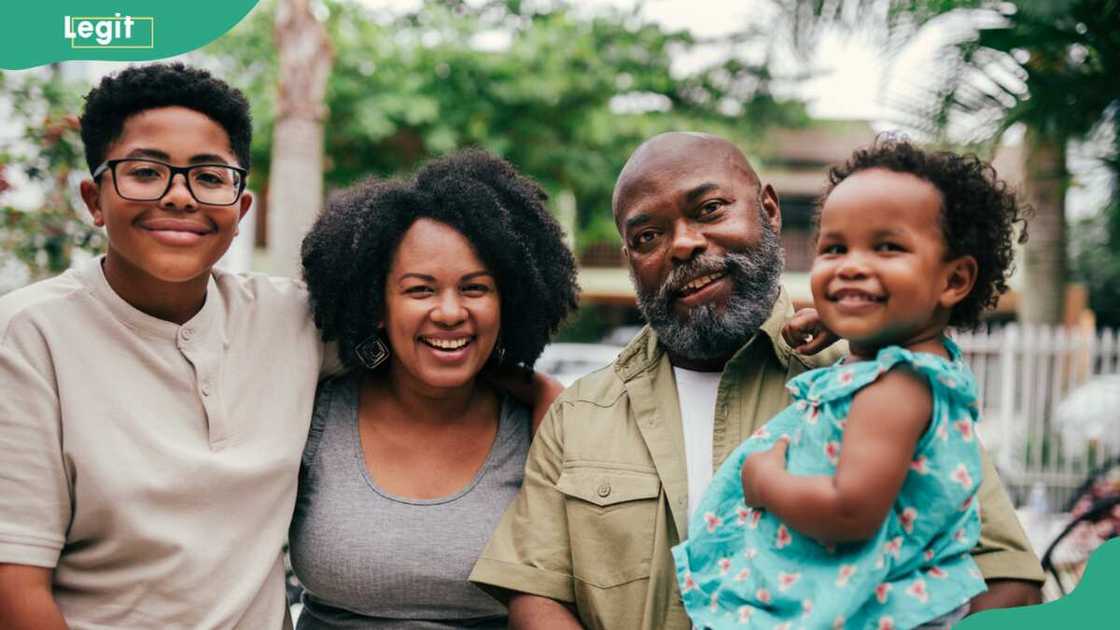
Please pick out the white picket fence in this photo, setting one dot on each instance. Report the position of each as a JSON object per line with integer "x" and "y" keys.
{"x": 1050, "y": 401}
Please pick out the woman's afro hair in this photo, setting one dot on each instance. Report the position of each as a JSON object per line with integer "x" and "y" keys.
{"x": 979, "y": 214}
{"x": 156, "y": 85}
{"x": 350, "y": 248}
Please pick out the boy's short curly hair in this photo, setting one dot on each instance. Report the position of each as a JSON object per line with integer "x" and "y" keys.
{"x": 350, "y": 248}
{"x": 155, "y": 85}
{"x": 979, "y": 214}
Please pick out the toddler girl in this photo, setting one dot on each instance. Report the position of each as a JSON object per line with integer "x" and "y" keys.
{"x": 854, "y": 507}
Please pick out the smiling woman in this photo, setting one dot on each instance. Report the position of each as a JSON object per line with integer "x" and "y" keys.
{"x": 427, "y": 285}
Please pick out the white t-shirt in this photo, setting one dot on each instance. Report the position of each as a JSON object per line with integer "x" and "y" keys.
{"x": 153, "y": 466}
{"x": 697, "y": 394}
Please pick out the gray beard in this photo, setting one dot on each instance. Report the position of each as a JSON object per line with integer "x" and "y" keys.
{"x": 709, "y": 332}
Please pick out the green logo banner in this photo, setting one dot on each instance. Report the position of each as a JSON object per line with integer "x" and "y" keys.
{"x": 1088, "y": 606}
{"x": 112, "y": 30}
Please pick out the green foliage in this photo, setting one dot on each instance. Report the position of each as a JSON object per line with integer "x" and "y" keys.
{"x": 543, "y": 86}
{"x": 1095, "y": 249}
{"x": 1049, "y": 64}
{"x": 48, "y": 152}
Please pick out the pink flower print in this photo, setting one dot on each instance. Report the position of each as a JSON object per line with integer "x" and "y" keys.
{"x": 917, "y": 590}
{"x": 689, "y": 583}
{"x": 961, "y": 476}
{"x": 742, "y": 515}
{"x": 814, "y": 415}
{"x": 802, "y": 405}
{"x": 742, "y": 575}
{"x": 937, "y": 572}
{"x": 784, "y": 626}
{"x": 974, "y": 572}
{"x": 967, "y": 503}
{"x": 787, "y": 580}
{"x": 907, "y": 518}
{"x": 842, "y": 424}
{"x": 964, "y": 427}
{"x": 713, "y": 521}
{"x": 745, "y": 613}
{"x": 761, "y": 432}
{"x": 885, "y": 623}
{"x": 845, "y": 574}
{"x": 754, "y": 518}
{"x": 713, "y": 602}
{"x": 947, "y": 381}
{"x": 762, "y": 595}
{"x": 942, "y": 433}
{"x": 724, "y": 565}
{"x": 838, "y": 623}
{"x": 806, "y": 607}
{"x": 750, "y": 553}
{"x": 845, "y": 377}
{"x": 783, "y": 539}
{"x": 791, "y": 389}
{"x": 893, "y": 546}
{"x": 920, "y": 465}
{"x": 832, "y": 452}
{"x": 959, "y": 535}
{"x": 881, "y": 592}
{"x": 928, "y": 555}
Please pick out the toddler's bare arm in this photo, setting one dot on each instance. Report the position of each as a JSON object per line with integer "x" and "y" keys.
{"x": 885, "y": 422}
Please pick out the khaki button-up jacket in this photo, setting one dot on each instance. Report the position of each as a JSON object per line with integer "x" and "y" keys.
{"x": 605, "y": 494}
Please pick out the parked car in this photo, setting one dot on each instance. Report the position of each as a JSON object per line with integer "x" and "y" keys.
{"x": 621, "y": 336}
{"x": 569, "y": 361}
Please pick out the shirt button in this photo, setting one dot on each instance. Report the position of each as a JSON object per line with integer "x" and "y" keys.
{"x": 187, "y": 333}
{"x": 206, "y": 388}
{"x": 604, "y": 489}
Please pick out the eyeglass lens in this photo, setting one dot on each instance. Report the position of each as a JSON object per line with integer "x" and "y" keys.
{"x": 144, "y": 180}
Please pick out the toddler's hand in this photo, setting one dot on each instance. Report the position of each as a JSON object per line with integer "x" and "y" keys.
{"x": 760, "y": 470}
{"x": 805, "y": 333}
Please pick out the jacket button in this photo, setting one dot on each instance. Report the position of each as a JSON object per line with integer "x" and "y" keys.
{"x": 604, "y": 489}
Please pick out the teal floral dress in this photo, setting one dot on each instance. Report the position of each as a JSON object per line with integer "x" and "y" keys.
{"x": 742, "y": 567}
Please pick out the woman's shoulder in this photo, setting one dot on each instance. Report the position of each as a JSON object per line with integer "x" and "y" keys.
{"x": 335, "y": 400}
{"x": 516, "y": 417}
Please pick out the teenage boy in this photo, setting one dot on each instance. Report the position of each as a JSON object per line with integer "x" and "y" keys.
{"x": 154, "y": 408}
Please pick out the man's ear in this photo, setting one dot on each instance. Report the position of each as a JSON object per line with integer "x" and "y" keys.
{"x": 959, "y": 281}
{"x": 771, "y": 207}
{"x": 91, "y": 196}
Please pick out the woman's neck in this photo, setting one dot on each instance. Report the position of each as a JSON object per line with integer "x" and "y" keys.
{"x": 421, "y": 403}
{"x": 175, "y": 302}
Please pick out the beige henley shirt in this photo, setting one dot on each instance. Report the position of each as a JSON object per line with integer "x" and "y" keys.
{"x": 152, "y": 465}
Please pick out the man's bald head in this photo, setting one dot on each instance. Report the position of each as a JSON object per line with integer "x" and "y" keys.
{"x": 672, "y": 155}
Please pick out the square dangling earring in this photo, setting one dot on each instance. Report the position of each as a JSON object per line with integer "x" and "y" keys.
{"x": 372, "y": 352}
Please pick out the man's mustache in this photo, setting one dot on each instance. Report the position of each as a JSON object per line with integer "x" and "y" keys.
{"x": 679, "y": 276}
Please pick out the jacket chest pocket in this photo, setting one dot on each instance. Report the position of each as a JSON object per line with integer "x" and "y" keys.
{"x": 611, "y": 517}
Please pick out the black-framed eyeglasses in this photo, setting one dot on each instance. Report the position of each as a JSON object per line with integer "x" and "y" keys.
{"x": 143, "y": 179}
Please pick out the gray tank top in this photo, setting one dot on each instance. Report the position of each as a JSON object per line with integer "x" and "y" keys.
{"x": 369, "y": 559}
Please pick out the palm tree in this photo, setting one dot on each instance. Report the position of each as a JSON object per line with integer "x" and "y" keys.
{"x": 1053, "y": 66}
{"x": 295, "y": 186}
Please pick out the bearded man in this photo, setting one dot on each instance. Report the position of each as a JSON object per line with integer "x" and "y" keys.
{"x": 625, "y": 454}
